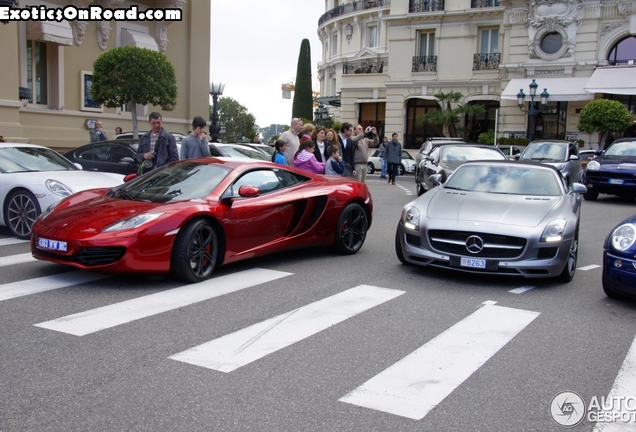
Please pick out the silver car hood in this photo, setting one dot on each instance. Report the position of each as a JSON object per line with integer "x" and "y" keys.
{"x": 516, "y": 210}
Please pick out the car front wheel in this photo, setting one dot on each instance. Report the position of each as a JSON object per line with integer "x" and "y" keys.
{"x": 370, "y": 168}
{"x": 195, "y": 251}
{"x": 351, "y": 231}
{"x": 590, "y": 195}
{"x": 21, "y": 211}
{"x": 570, "y": 266}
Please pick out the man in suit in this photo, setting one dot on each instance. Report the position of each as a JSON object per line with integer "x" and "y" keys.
{"x": 347, "y": 147}
{"x": 98, "y": 133}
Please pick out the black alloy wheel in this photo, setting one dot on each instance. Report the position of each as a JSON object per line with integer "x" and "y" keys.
{"x": 351, "y": 231}
{"x": 195, "y": 251}
{"x": 570, "y": 266}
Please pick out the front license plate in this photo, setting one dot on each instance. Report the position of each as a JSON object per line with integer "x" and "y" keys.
{"x": 52, "y": 244}
{"x": 616, "y": 181}
{"x": 472, "y": 262}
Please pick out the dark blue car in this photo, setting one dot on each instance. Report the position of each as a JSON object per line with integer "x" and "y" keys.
{"x": 613, "y": 171}
{"x": 619, "y": 260}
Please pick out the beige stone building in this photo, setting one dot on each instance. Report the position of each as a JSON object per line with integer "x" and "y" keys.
{"x": 385, "y": 60}
{"x": 46, "y": 68}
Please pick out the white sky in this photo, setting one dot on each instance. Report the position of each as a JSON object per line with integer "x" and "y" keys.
{"x": 254, "y": 50}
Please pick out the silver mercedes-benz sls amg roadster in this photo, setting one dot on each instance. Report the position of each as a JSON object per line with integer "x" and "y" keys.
{"x": 495, "y": 217}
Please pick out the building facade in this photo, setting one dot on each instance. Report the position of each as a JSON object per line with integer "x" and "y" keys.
{"x": 47, "y": 69}
{"x": 386, "y": 61}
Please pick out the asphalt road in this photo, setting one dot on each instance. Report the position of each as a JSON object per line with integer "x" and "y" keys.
{"x": 312, "y": 341}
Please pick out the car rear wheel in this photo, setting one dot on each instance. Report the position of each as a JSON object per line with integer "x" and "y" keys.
{"x": 590, "y": 195}
{"x": 351, "y": 231}
{"x": 420, "y": 189}
{"x": 607, "y": 285}
{"x": 570, "y": 266}
{"x": 370, "y": 168}
{"x": 21, "y": 211}
{"x": 195, "y": 251}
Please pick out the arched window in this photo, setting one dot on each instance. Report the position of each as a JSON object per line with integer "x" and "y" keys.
{"x": 623, "y": 51}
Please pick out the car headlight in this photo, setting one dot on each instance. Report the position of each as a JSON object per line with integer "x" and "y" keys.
{"x": 554, "y": 231}
{"x": 58, "y": 188}
{"x": 411, "y": 218}
{"x": 593, "y": 165}
{"x": 133, "y": 222}
{"x": 623, "y": 237}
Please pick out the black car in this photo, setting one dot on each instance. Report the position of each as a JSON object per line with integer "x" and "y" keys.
{"x": 116, "y": 156}
{"x": 612, "y": 171}
{"x": 446, "y": 158}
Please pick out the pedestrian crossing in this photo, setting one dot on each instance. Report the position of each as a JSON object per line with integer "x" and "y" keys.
{"x": 410, "y": 388}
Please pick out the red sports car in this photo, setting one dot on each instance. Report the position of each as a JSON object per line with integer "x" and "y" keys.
{"x": 194, "y": 215}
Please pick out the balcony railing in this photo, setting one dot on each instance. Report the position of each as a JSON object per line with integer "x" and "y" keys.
{"x": 364, "y": 67}
{"x": 484, "y": 3}
{"x": 426, "y": 6}
{"x": 348, "y": 8}
{"x": 424, "y": 64}
{"x": 486, "y": 61}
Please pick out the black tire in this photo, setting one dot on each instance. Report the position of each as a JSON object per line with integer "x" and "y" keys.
{"x": 590, "y": 195}
{"x": 398, "y": 248}
{"x": 21, "y": 211}
{"x": 370, "y": 168}
{"x": 420, "y": 189}
{"x": 400, "y": 170}
{"x": 351, "y": 231}
{"x": 570, "y": 267}
{"x": 607, "y": 285}
{"x": 195, "y": 251}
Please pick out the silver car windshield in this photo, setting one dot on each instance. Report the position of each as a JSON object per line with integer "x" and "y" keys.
{"x": 626, "y": 148}
{"x": 182, "y": 181}
{"x": 32, "y": 159}
{"x": 545, "y": 152}
{"x": 503, "y": 179}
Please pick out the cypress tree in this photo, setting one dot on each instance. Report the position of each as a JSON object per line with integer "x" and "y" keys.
{"x": 303, "y": 104}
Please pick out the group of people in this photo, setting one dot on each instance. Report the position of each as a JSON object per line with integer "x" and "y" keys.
{"x": 323, "y": 151}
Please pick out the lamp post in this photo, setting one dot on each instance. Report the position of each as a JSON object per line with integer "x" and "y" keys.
{"x": 216, "y": 90}
{"x": 321, "y": 114}
{"x": 532, "y": 110}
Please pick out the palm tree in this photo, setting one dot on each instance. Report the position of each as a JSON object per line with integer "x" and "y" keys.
{"x": 446, "y": 117}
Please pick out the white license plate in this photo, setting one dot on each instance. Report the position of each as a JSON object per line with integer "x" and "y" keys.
{"x": 52, "y": 244}
{"x": 616, "y": 181}
{"x": 472, "y": 262}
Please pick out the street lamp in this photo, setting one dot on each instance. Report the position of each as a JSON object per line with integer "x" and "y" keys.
{"x": 321, "y": 114}
{"x": 216, "y": 90}
{"x": 532, "y": 110}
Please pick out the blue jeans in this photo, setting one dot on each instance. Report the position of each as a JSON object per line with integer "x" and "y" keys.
{"x": 383, "y": 167}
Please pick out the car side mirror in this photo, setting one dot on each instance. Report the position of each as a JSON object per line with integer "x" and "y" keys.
{"x": 126, "y": 160}
{"x": 80, "y": 167}
{"x": 574, "y": 157}
{"x": 517, "y": 156}
{"x": 249, "y": 191}
{"x": 436, "y": 179}
{"x": 579, "y": 188}
{"x": 429, "y": 158}
{"x": 130, "y": 177}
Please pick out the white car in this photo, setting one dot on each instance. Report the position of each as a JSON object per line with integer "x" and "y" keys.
{"x": 407, "y": 165}
{"x": 33, "y": 177}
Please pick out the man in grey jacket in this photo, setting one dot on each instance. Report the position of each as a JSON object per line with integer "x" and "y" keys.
{"x": 156, "y": 147}
{"x": 196, "y": 144}
{"x": 393, "y": 154}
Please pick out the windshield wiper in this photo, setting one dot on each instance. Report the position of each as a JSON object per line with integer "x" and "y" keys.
{"x": 125, "y": 195}
{"x": 454, "y": 188}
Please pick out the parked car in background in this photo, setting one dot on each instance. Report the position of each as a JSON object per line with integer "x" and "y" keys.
{"x": 511, "y": 150}
{"x": 116, "y": 156}
{"x": 563, "y": 155}
{"x": 407, "y": 166}
{"x": 265, "y": 148}
{"x": 613, "y": 171}
{"x": 495, "y": 217}
{"x": 586, "y": 156}
{"x": 619, "y": 260}
{"x": 446, "y": 158}
{"x": 195, "y": 215}
{"x": 32, "y": 178}
{"x": 237, "y": 151}
{"x": 178, "y": 137}
{"x": 429, "y": 145}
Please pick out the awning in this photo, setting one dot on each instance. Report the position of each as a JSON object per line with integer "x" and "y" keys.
{"x": 50, "y": 31}
{"x": 613, "y": 80}
{"x": 138, "y": 39}
{"x": 560, "y": 89}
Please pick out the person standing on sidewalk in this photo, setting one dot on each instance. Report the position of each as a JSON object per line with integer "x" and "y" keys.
{"x": 393, "y": 154}
{"x": 382, "y": 154}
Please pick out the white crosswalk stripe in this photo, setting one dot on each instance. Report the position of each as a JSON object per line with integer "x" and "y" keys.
{"x": 16, "y": 259}
{"x": 46, "y": 283}
{"x": 91, "y": 321}
{"x": 416, "y": 384}
{"x": 232, "y": 351}
{"x": 11, "y": 241}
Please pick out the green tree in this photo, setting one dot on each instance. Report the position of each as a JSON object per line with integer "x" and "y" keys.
{"x": 446, "y": 117}
{"x": 131, "y": 75}
{"x": 303, "y": 104}
{"x": 604, "y": 116}
{"x": 239, "y": 123}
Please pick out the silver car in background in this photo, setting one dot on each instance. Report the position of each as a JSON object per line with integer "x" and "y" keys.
{"x": 495, "y": 217}
{"x": 563, "y": 155}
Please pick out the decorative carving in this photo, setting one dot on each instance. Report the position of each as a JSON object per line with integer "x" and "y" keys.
{"x": 79, "y": 31}
{"x": 623, "y": 8}
{"x": 331, "y": 71}
{"x": 553, "y": 16}
{"x": 607, "y": 28}
{"x": 162, "y": 26}
{"x": 103, "y": 34}
{"x": 348, "y": 31}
